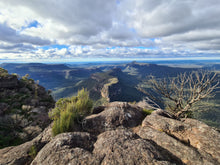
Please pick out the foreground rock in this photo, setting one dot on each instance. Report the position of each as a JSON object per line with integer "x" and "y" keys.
{"x": 116, "y": 114}
{"x": 196, "y": 141}
{"x": 124, "y": 147}
{"x": 21, "y": 154}
{"x": 158, "y": 140}
{"x": 67, "y": 148}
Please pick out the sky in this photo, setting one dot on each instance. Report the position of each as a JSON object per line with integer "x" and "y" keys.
{"x": 74, "y": 30}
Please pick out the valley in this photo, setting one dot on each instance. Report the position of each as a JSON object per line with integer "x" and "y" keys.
{"x": 113, "y": 81}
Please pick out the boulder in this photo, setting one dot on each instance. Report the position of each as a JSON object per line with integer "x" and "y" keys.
{"x": 202, "y": 137}
{"x": 189, "y": 132}
{"x": 67, "y": 148}
{"x": 20, "y": 155}
{"x": 188, "y": 155}
{"x": 124, "y": 147}
{"x": 116, "y": 114}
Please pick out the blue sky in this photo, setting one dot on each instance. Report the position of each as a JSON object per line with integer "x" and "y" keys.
{"x": 87, "y": 30}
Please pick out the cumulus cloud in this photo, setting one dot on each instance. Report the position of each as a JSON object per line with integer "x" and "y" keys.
{"x": 164, "y": 18}
{"x": 10, "y": 35}
{"x": 114, "y": 28}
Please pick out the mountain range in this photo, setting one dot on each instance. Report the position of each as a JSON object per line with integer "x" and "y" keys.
{"x": 111, "y": 82}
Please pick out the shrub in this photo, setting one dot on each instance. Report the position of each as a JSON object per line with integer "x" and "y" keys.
{"x": 68, "y": 112}
{"x": 83, "y": 103}
{"x": 33, "y": 152}
{"x": 181, "y": 93}
{"x": 147, "y": 111}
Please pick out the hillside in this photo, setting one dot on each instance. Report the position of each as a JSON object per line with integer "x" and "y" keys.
{"x": 23, "y": 109}
{"x": 57, "y": 77}
{"x": 121, "y": 134}
{"x": 142, "y": 70}
{"x": 112, "y": 85}
{"x": 112, "y": 82}
{"x": 65, "y": 81}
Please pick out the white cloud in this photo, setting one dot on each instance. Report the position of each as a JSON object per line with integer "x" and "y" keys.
{"x": 98, "y": 28}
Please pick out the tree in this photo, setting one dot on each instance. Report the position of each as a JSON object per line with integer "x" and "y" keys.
{"x": 183, "y": 91}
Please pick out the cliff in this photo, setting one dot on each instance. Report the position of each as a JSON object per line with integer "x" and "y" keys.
{"x": 113, "y": 85}
{"x": 119, "y": 133}
{"x": 24, "y": 107}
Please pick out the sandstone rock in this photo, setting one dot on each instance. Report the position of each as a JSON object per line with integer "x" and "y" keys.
{"x": 28, "y": 133}
{"x": 98, "y": 109}
{"x": 159, "y": 140}
{"x": 67, "y": 148}
{"x": 187, "y": 154}
{"x": 202, "y": 137}
{"x": 116, "y": 114}
{"x": 190, "y": 132}
{"x": 19, "y": 155}
{"x": 124, "y": 147}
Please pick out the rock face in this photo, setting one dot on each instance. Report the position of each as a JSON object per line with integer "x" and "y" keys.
{"x": 192, "y": 141}
{"x": 24, "y": 107}
{"x": 72, "y": 147}
{"x": 20, "y": 155}
{"x": 9, "y": 81}
{"x": 128, "y": 139}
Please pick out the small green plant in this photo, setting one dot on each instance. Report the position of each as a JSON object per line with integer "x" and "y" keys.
{"x": 33, "y": 152}
{"x": 68, "y": 112}
{"x": 147, "y": 111}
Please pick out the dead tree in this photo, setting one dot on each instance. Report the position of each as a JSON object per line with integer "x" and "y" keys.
{"x": 185, "y": 90}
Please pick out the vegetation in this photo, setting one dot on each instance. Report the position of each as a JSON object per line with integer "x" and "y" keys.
{"x": 3, "y": 72}
{"x": 16, "y": 105}
{"x": 69, "y": 111}
{"x": 9, "y": 140}
{"x": 183, "y": 91}
{"x": 33, "y": 152}
{"x": 147, "y": 111}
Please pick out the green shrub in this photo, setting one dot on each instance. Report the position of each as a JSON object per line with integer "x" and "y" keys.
{"x": 68, "y": 112}
{"x": 147, "y": 111}
{"x": 83, "y": 103}
{"x": 33, "y": 152}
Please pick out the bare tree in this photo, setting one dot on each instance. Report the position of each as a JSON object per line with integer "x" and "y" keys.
{"x": 185, "y": 90}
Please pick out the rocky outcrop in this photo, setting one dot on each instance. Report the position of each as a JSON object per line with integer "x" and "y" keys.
{"x": 20, "y": 155}
{"x": 73, "y": 148}
{"x": 202, "y": 141}
{"x": 157, "y": 140}
{"x": 9, "y": 81}
{"x": 105, "y": 90}
{"x": 24, "y": 107}
{"x": 121, "y": 146}
{"x": 115, "y": 114}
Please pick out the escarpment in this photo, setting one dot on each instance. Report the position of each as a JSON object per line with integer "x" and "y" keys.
{"x": 24, "y": 107}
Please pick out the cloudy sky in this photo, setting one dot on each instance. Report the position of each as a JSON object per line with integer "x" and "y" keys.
{"x": 59, "y": 30}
